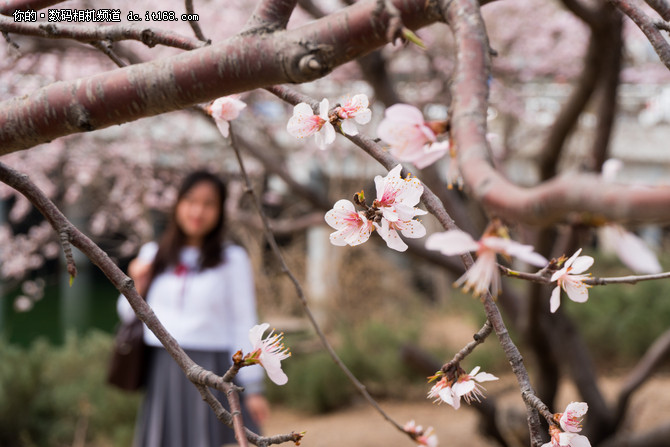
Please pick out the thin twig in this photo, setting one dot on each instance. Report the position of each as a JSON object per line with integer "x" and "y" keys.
{"x": 479, "y": 338}
{"x": 544, "y": 277}
{"x": 113, "y": 33}
{"x": 301, "y": 294}
{"x": 195, "y": 26}
{"x": 67, "y": 251}
{"x": 106, "y": 48}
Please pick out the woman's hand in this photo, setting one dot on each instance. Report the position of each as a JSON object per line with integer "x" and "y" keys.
{"x": 258, "y": 407}
{"x": 139, "y": 271}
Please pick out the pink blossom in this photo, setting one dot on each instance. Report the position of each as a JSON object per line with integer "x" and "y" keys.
{"x": 562, "y": 439}
{"x": 353, "y": 228}
{"x": 269, "y": 352}
{"x": 422, "y": 437}
{"x": 225, "y": 109}
{"x": 304, "y": 123}
{"x": 570, "y": 422}
{"x": 484, "y": 272}
{"x": 409, "y": 228}
{"x": 410, "y": 137}
{"x": 357, "y": 109}
{"x": 571, "y": 419}
{"x": 397, "y": 196}
{"x": 571, "y": 281}
{"x": 466, "y": 386}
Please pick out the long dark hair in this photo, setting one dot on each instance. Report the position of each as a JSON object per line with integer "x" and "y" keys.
{"x": 174, "y": 239}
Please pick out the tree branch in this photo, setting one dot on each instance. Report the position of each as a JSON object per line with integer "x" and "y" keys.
{"x": 237, "y": 64}
{"x": 662, "y": 7}
{"x": 123, "y": 283}
{"x": 112, "y": 33}
{"x": 644, "y": 22}
{"x": 270, "y": 16}
{"x": 656, "y": 354}
{"x": 195, "y": 26}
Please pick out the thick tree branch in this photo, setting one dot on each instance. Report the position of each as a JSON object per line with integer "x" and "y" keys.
{"x": 644, "y": 22}
{"x": 572, "y": 109}
{"x": 607, "y": 107}
{"x": 468, "y": 119}
{"x": 237, "y": 64}
{"x": 270, "y": 16}
{"x": 112, "y": 33}
{"x": 662, "y": 7}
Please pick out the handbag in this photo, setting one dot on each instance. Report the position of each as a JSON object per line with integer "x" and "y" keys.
{"x": 127, "y": 366}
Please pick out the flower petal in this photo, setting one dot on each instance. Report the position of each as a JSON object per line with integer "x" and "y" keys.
{"x": 555, "y": 300}
{"x": 577, "y": 291}
{"x": 452, "y": 242}
{"x": 349, "y": 128}
{"x": 581, "y": 264}
{"x": 256, "y": 334}
{"x": 635, "y": 254}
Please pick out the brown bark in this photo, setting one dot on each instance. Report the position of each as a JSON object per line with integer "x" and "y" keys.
{"x": 7, "y": 7}
{"x": 238, "y": 64}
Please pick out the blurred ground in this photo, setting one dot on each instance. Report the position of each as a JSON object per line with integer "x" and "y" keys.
{"x": 361, "y": 426}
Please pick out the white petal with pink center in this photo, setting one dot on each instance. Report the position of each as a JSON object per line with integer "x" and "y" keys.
{"x": 225, "y": 109}
{"x": 270, "y": 352}
{"x": 571, "y": 419}
{"x": 408, "y": 228}
{"x": 397, "y": 196}
{"x": 304, "y": 123}
{"x": 353, "y": 228}
{"x": 484, "y": 272}
{"x": 405, "y": 130}
{"x": 356, "y": 109}
{"x": 569, "y": 279}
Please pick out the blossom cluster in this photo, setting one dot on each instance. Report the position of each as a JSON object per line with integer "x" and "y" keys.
{"x": 455, "y": 384}
{"x": 484, "y": 273}
{"x": 393, "y": 211}
{"x": 305, "y": 122}
{"x": 423, "y": 437}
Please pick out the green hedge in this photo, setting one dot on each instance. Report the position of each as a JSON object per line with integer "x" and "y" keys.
{"x": 51, "y": 395}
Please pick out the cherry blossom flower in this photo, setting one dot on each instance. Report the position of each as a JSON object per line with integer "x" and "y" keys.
{"x": 466, "y": 386}
{"x": 410, "y": 137}
{"x": 304, "y": 123}
{"x": 570, "y": 422}
{"x": 562, "y": 439}
{"x": 571, "y": 281}
{"x": 629, "y": 248}
{"x": 353, "y": 228}
{"x": 571, "y": 419}
{"x": 269, "y": 352}
{"x": 397, "y": 196}
{"x": 484, "y": 272}
{"x": 409, "y": 228}
{"x": 355, "y": 109}
{"x": 225, "y": 109}
{"x": 422, "y": 437}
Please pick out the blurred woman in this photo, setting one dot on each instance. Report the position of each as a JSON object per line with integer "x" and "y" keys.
{"x": 202, "y": 290}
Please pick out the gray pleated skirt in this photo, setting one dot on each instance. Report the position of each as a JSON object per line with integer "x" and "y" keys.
{"x": 173, "y": 413}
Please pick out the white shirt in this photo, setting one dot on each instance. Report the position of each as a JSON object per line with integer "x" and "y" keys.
{"x": 211, "y": 309}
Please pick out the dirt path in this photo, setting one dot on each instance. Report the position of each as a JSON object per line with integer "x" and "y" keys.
{"x": 361, "y": 426}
